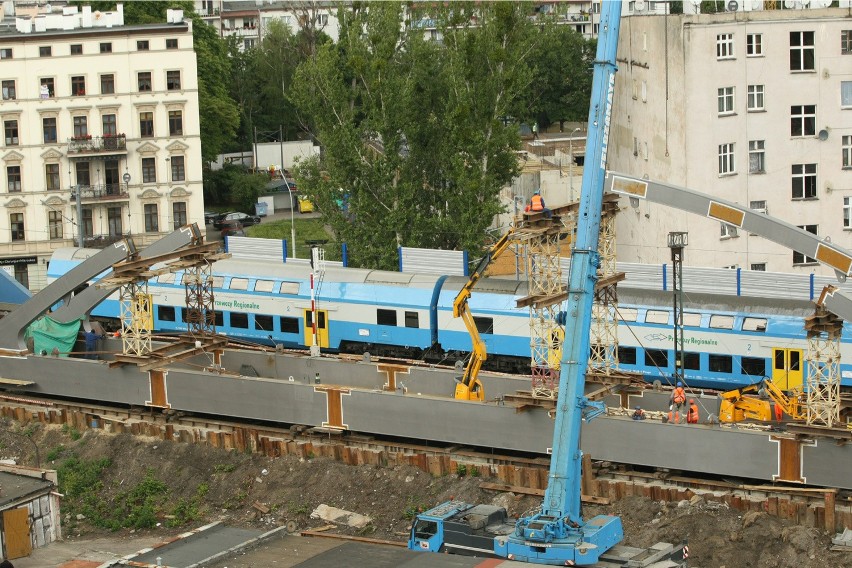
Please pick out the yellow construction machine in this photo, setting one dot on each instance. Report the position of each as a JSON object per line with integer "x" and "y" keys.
{"x": 468, "y": 386}
{"x": 737, "y": 406}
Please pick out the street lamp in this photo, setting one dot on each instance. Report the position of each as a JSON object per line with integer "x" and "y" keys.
{"x": 126, "y": 179}
{"x": 571, "y": 161}
{"x": 292, "y": 216}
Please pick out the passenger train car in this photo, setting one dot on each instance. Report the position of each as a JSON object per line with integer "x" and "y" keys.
{"x": 729, "y": 341}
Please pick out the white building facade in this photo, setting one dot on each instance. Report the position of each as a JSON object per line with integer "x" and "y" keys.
{"x": 95, "y": 110}
{"x": 752, "y": 107}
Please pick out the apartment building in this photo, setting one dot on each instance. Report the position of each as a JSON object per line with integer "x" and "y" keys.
{"x": 101, "y": 134}
{"x": 753, "y": 107}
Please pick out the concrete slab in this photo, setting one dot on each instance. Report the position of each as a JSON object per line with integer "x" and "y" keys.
{"x": 198, "y": 547}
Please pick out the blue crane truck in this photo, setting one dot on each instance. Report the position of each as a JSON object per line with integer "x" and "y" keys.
{"x": 557, "y": 534}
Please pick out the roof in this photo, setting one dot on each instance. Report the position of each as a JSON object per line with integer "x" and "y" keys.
{"x": 12, "y": 33}
{"x": 17, "y": 487}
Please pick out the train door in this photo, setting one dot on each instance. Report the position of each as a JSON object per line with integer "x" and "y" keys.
{"x": 787, "y": 368}
{"x": 322, "y": 328}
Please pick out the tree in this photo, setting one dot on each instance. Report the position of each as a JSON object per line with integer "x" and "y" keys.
{"x": 411, "y": 129}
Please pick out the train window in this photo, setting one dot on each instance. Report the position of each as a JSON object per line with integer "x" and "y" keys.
{"x": 721, "y": 322}
{"x": 219, "y": 318}
{"x": 183, "y": 315}
{"x": 263, "y": 323}
{"x": 626, "y": 355}
{"x": 239, "y": 319}
{"x": 218, "y": 282}
{"x": 754, "y": 324}
{"x": 386, "y": 317}
{"x": 692, "y": 319}
{"x": 721, "y": 363}
{"x": 628, "y": 314}
{"x": 657, "y": 358}
{"x": 167, "y": 278}
{"x": 754, "y": 366}
{"x": 289, "y": 288}
{"x": 412, "y": 319}
{"x": 263, "y": 286}
{"x": 289, "y": 325}
{"x": 691, "y": 361}
{"x": 484, "y": 325}
{"x": 657, "y": 316}
{"x": 238, "y": 284}
{"x": 166, "y": 313}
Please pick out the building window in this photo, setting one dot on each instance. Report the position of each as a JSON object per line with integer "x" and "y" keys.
{"x": 142, "y": 45}
{"x": 48, "y": 126}
{"x": 9, "y": 91}
{"x": 6, "y": 53}
{"x": 802, "y": 51}
{"x": 726, "y": 159}
{"x": 81, "y": 127}
{"x": 54, "y": 223}
{"x": 175, "y": 123}
{"x": 799, "y": 258}
{"x": 13, "y": 175}
{"x": 173, "y": 80}
{"x": 109, "y": 125}
{"x": 152, "y": 223}
{"x": 51, "y": 176}
{"x": 755, "y": 97}
{"x": 759, "y": 267}
{"x": 172, "y": 43}
{"x": 144, "y": 81}
{"x": 22, "y": 275}
{"x": 83, "y": 173}
{"x": 847, "y": 151}
{"x": 179, "y": 214}
{"x": 107, "y": 84}
{"x": 106, "y": 47}
{"x": 48, "y": 91}
{"x": 847, "y": 212}
{"x": 16, "y": 224}
{"x": 803, "y": 120}
{"x": 10, "y": 129}
{"x": 114, "y": 220}
{"x": 846, "y": 94}
{"x": 76, "y": 49}
{"x": 44, "y": 51}
{"x": 78, "y": 86}
{"x": 756, "y": 156}
{"x": 178, "y": 173}
{"x": 727, "y": 231}
{"x": 726, "y": 100}
{"x": 846, "y": 42}
{"x": 725, "y": 46}
{"x": 804, "y": 181}
{"x": 149, "y": 170}
{"x": 754, "y": 45}
{"x": 146, "y": 124}
{"x": 88, "y": 223}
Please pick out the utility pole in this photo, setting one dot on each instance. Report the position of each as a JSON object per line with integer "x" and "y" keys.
{"x": 677, "y": 242}
{"x": 80, "y": 229}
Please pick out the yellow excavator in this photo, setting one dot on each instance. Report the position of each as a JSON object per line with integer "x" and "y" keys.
{"x": 737, "y": 407}
{"x": 468, "y": 386}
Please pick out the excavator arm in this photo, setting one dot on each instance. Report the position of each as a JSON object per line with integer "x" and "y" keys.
{"x": 469, "y": 387}
{"x": 736, "y": 407}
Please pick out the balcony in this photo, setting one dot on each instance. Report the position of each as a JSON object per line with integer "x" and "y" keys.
{"x": 103, "y": 192}
{"x": 98, "y": 145}
{"x": 98, "y": 241}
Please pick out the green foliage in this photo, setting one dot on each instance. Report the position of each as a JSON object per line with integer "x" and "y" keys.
{"x": 55, "y": 453}
{"x": 224, "y": 468}
{"x": 72, "y": 432}
{"x": 78, "y": 477}
{"x": 246, "y": 189}
{"x": 218, "y": 112}
{"x": 298, "y": 508}
{"x": 413, "y": 509}
{"x": 306, "y": 230}
{"x": 30, "y": 429}
{"x": 461, "y": 469}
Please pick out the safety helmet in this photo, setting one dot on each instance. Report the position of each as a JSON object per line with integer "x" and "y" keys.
{"x": 680, "y": 384}
{"x": 691, "y": 401}
{"x": 638, "y": 407}
{"x": 537, "y": 192}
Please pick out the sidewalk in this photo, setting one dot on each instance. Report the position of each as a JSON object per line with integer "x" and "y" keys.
{"x": 81, "y": 553}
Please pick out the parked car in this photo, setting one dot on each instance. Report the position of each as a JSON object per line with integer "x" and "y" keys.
{"x": 244, "y": 218}
{"x": 210, "y": 216}
{"x": 232, "y": 229}
{"x": 305, "y": 204}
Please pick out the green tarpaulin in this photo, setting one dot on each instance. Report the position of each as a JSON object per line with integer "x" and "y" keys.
{"x": 48, "y": 334}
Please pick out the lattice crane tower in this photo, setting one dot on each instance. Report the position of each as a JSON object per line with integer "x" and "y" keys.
{"x": 823, "y": 358}
{"x": 137, "y": 318}
{"x": 604, "y": 339}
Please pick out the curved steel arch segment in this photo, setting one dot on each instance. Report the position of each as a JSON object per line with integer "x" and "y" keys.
{"x": 730, "y": 213}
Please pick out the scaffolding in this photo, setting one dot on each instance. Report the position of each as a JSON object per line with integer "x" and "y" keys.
{"x": 603, "y": 356}
{"x": 135, "y": 308}
{"x": 823, "y": 360}
{"x": 200, "y": 303}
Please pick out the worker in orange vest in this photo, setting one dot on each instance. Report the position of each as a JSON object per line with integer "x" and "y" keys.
{"x": 692, "y": 413}
{"x": 779, "y": 413}
{"x": 537, "y": 205}
{"x": 677, "y": 402}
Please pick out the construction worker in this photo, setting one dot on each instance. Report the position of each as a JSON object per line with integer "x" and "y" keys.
{"x": 692, "y": 413}
{"x": 638, "y": 414}
{"x": 779, "y": 413}
{"x": 91, "y": 337}
{"x": 537, "y": 205}
{"x": 676, "y": 403}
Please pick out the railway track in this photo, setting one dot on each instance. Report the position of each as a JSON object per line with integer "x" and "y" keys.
{"x": 604, "y": 483}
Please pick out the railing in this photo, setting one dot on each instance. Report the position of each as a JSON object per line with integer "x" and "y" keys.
{"x": 106, "y": 191}
{"x": 99, "y": 241}
{"x": 109, "y": 143}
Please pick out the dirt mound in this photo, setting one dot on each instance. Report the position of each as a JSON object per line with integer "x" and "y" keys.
{"x": 201, "y": 484}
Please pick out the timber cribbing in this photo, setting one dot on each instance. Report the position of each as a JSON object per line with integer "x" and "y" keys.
{"x": 824, "y": 508}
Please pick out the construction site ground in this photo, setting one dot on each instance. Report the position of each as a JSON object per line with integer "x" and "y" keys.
{"x": 254, "y": 491}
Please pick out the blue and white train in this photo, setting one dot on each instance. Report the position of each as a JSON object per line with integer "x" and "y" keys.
{"x": 729, "y": 341}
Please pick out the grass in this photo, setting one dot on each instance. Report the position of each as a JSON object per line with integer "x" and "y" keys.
{"x": 306, "y": 230}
